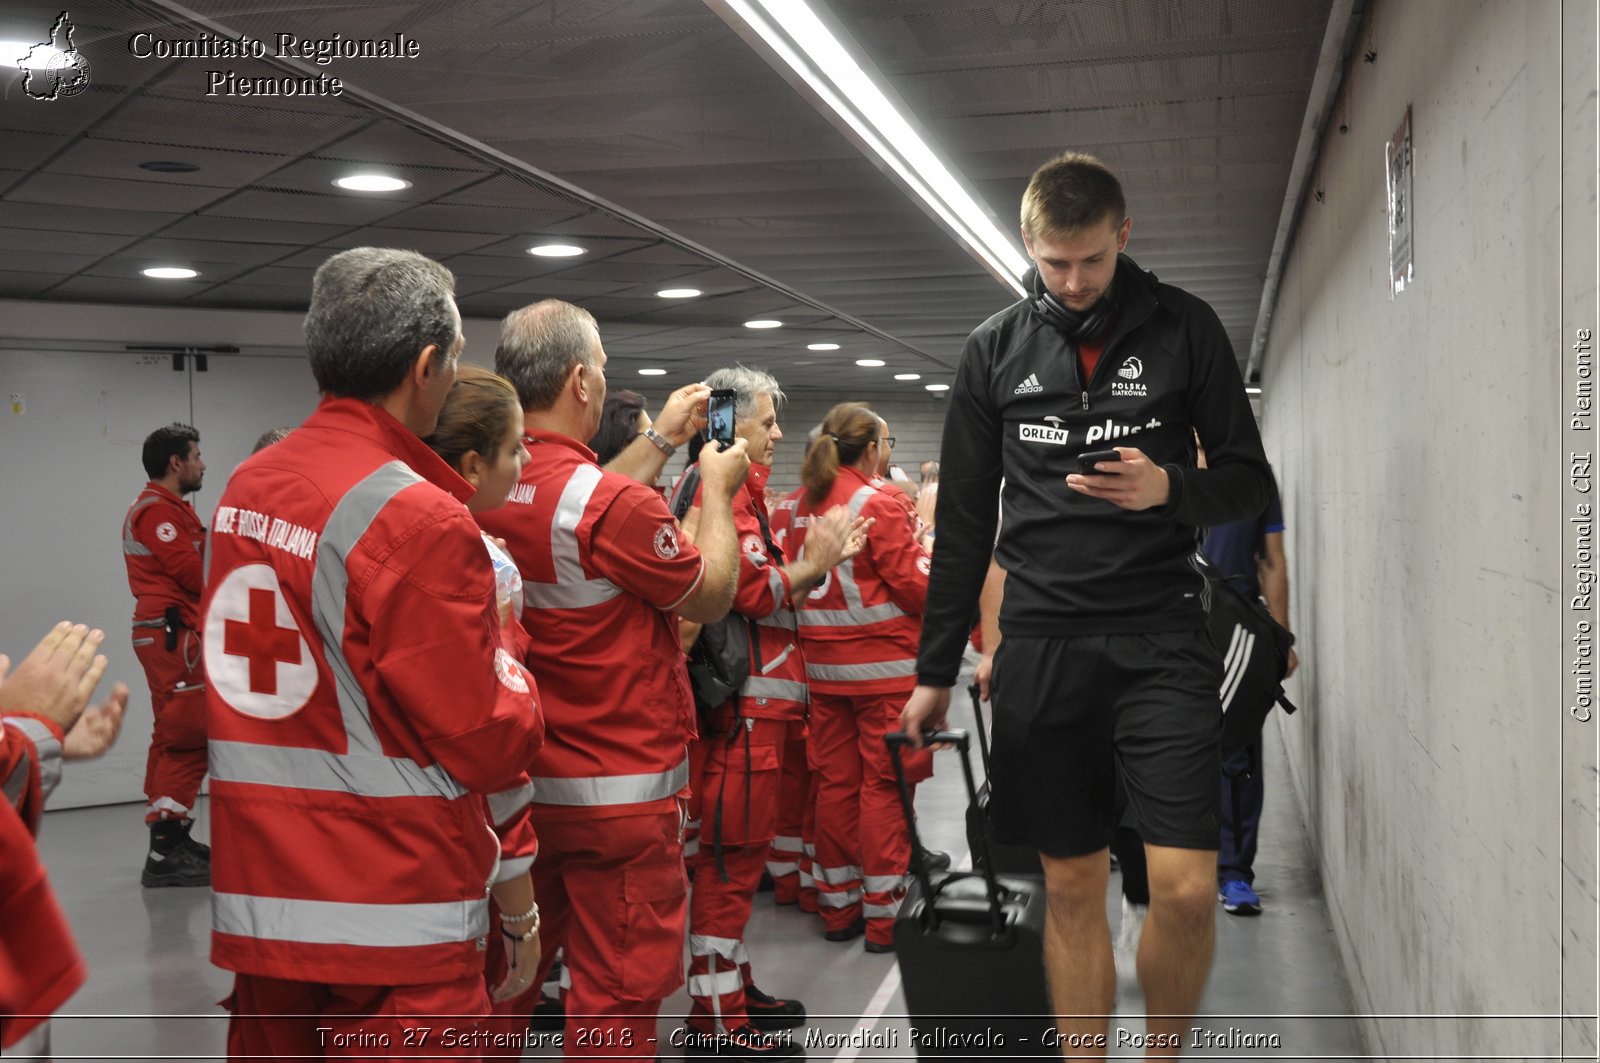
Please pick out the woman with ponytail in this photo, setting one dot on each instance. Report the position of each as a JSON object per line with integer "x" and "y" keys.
{"x": 479, "y": 435}
{"x": 859, "y": 630}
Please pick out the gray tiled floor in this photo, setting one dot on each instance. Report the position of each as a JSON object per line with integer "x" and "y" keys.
{"x": 152, "y": 992}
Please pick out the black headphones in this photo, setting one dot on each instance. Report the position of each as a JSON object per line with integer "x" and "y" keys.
{"x": 1076, "y": 325}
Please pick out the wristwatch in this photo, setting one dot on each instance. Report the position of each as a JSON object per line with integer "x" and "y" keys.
{"x": 660, "y": 441}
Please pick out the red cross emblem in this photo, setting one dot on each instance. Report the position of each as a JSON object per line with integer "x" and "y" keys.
{"x": 262, "y": 641}
{"x": 257, "y": 661}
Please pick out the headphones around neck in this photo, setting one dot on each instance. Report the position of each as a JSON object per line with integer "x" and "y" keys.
{"x": 1076, "y": 325}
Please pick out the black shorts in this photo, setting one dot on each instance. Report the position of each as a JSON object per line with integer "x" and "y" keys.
{"x": 1071, "y": 714}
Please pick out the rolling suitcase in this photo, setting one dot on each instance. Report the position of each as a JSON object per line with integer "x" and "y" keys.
{"x": 971, "y": 949}
{"x": 1008, "y": 859}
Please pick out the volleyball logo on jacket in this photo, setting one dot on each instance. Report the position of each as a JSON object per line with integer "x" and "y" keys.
{"x": 256, "y": 658}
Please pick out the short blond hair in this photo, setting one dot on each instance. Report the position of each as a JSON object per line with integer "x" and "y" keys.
{"x": 1070, "y": 193}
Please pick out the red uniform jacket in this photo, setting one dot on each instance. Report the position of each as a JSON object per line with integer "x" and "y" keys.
{"x": 39, "y": 962}
{"x": 603, "y": 569}
{"x": 164, "y": 546}
{"x": 360, "y": 704}
{"x": 860, "y": 627}
{"x": 776, "y": 689}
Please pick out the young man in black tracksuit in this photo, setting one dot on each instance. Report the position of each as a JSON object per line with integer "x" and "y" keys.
{"x": 1105, "y": 663}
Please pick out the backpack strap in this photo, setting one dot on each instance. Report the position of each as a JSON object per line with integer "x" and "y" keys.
{"x": 683, "y": 494}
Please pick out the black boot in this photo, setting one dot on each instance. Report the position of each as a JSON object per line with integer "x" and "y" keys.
{"x": 188, "y": 832}
{"x": 174, "y": 860}
{"x": 768, "y": 1013}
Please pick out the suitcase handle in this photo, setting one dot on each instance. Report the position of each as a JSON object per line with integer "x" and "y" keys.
{"x": 983, "y": 734}
{"x": 919, "y": 867}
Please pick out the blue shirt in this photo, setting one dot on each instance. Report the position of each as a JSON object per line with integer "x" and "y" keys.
{"x": 1234, "y": 547}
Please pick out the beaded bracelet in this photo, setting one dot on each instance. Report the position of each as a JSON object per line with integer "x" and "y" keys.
{"x": 527, "y": 935}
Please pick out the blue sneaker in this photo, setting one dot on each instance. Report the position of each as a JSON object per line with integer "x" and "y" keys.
{"x": 1238, "y": 898}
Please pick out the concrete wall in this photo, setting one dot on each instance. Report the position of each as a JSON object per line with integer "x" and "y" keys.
{"x": 1417, "y": 442}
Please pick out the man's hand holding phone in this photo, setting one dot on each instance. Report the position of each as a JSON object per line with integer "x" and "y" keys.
{"x": 1123, "y": 476}
{"x": 723, "y": 468}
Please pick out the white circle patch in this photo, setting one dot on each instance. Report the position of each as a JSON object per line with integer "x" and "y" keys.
{"x": 924, "y": 564}
{"x": 256, "y": 658}
{"x": 166, "y": 532}
{"x": 666, "y": 542}
{"x": 509, "y": 674}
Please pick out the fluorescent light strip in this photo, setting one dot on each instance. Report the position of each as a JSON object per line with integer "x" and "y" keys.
{"x": 909, "y": 156}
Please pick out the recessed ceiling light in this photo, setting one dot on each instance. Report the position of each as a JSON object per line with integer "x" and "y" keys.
{"x": 822, "y": 346}
{"x": 869, "y": 363}
{"x": 908, "y": 376}
{"x": 679, "y": 293}
{"x": 555, "y": 250}
{"x": 936, "y": 387}
{"x": 763, "y": 322}
{"x": 168, "y": 166}
{"x": 652, "y": 372}
{"x": 371, "y": 182}
{"x": 1252, "y": 391}
{"x": 170, "y": 273}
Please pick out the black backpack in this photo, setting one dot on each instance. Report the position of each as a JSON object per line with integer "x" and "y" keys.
{"x": 719, "y": 660}
{"x": 1255, "y": 657}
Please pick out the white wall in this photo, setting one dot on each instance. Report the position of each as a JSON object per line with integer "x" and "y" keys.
{"x": 72, "y": 467}
{"x": 916, "y": 421}
{"x": 1417, "y": 442}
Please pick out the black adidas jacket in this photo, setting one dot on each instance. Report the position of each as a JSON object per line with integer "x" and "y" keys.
{"x": 1019, "y": 413}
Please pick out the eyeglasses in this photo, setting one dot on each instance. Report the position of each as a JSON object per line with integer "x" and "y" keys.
{"x": 885, "y": 441}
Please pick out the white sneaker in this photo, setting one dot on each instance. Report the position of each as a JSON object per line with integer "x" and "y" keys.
{"x": 1127, "y": 949}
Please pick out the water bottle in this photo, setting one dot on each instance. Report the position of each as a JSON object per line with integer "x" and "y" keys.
{"x": 507, "y": 580}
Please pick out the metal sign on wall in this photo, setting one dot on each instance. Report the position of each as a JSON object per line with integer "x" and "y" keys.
{"x": 1397, "y": 155}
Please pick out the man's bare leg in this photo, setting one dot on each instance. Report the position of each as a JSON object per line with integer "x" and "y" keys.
{"x": 1077, "y": 949}
{"x": 1179, "y": 938}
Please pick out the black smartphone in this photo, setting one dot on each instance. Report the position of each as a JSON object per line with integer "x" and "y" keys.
{"x": 1087, "y": 459}
{"x": 719, "y": 416}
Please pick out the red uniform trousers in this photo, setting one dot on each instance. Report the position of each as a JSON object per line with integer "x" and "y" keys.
{"x": 613, "y": 893}
{"x": 740, "y": 775}
{"x": 794, "y": 840}
{"x": 863, "y": 847}
{"x": 177, "y": 760}
{"x": 274, "y": 1019}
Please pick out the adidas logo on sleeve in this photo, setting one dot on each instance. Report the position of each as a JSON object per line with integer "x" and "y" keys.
{"x": 1030, "y": 386}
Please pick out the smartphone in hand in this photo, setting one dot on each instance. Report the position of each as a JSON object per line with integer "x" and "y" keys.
{"x": 1087, "y": 460}
{"x": 719, "y": 416}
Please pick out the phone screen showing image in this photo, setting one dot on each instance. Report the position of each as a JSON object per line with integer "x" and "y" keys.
{"x": 719, "y": 416}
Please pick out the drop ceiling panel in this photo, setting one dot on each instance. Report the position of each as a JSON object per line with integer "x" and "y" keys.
{"x": 84, "y": 219}
{"x": 27, "y": 148}
{"x": 507, "y": 217}
{"x": 99, "y": 156}
{"x": 436, "y": 243}
{"x": 28, "y": 240}
{"x": 270, "y": 231}
{"x": 17, "y": 284}
{"x": 76, "y": 190}
{"x": 197, "y": 121}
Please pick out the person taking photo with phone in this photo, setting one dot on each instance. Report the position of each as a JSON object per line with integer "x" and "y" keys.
{"x": 1104, "y": 660}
